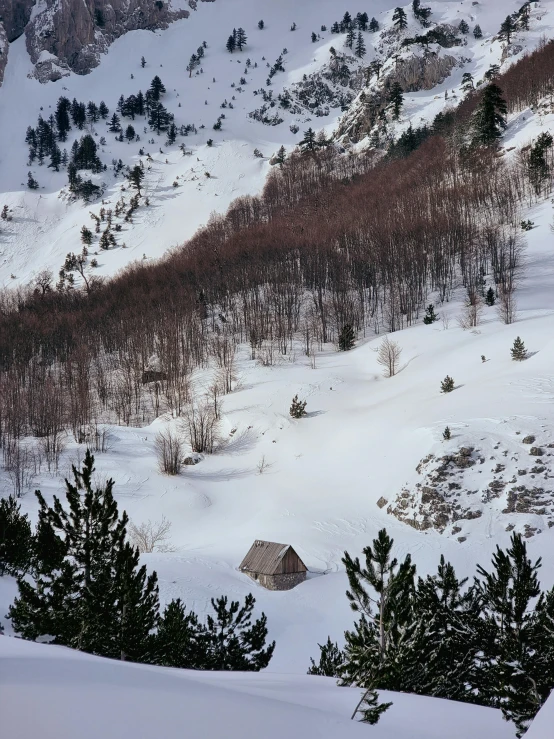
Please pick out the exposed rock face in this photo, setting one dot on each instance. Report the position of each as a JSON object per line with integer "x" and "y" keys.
{"x": 70, "y": 35}
{"x": 3, "y": 51}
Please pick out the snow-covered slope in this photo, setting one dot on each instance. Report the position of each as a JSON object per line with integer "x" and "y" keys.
{"x": 46, "y": 225}
{"x": 75, "y": 695}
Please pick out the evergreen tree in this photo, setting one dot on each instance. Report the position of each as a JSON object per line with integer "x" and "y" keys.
{"x": 396, "y": 98}
{"x": 463, "y": 27}
{"x": 88, "y": 591}
{"x": 467, "y": 82}
{"x": 86, "y": 236}
{"x": 103, "y": 110}
{"x": 241, "y": 39}
{"x": 297, "y": 408}
{"x": 447, "y": 385}
{"x": 261, "y": 25}
{"x": 130, "y": 133}
{"x": 538, "y": 166}
{"x": 281, "y": 156}
{"x": 314, "y": 37}
{"x": 430, "y": 315}
{"x": 381, "y": 590}
{"x": 490, "y": 298}
{"x": 507, "y": 28}
{"x": 446, "y": 434}
{"x": 159, "y": 119}
{"x": 179, "y": 640}
{"x": 370, "y": 708}
{"x": 347, "y": 338}
{"x": 78, "y": 114}
{"x": 309, "y": 142}
{"x": 400, "y": 19}
{"x": 231, "y": 44}
{"x": 330, "y": 660}
{"x": 508, "y": 671}
{"x": 63, "y": 123}
{"x": 157, "y": 88}
{"x": 55, "y": 158}
{"x": 360, "y": 50}
{"x": 373, "y": 25}
{"x": 32, "y": 184}
{"x": 115, "y": 125}
{"x": 347, "y": 21}
{"x": 93, "y": 114}
{"x": 489, "y": 120}
{"x": 136, "y": 176}
{"x": 518, "y": 350}
{"x": 350, "y": 37}
{"x": 477, "y": 32}
{"x": 16, "y": 541}
{"x": 84, "y": 155}
{"x": 232, "y": 641}
{"x": 142, "y": 62}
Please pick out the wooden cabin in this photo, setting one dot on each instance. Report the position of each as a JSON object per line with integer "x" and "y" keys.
{"x": 274, "y": 566}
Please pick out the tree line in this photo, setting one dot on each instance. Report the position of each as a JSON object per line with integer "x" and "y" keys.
{"x": 334, "y": 240}
{"x": 489, "y": 642}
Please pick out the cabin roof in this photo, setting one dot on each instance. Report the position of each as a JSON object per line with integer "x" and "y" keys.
{"x": 266, "y": 558}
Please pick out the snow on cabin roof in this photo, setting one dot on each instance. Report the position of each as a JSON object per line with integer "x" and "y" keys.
{"x": 265, "y": 557}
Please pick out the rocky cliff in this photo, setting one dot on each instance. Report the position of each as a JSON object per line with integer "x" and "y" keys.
{"x": 64, "y": 36}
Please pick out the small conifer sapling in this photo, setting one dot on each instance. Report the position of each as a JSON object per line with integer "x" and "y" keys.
{"x": 447, "y": 385}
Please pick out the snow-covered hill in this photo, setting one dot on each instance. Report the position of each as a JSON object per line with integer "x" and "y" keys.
{"x": 46, "y": 225}
{"x": 75, "y": 695}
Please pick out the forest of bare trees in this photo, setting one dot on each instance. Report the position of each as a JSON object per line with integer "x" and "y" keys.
{"x": 333, "y": 239}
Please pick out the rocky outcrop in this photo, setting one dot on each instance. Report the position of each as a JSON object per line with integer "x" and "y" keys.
{"x": 64, "y": 36}
{"x": 4, "y": 46}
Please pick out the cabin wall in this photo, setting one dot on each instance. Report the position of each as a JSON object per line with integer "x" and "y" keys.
{"x": 278, "y": 582}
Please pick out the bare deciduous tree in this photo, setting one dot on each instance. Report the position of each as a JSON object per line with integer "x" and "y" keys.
{"x": 169, "y": 451}
{"x": 151, "y": 536}
{"x": 200, "y": 425}
{"x": 388, "y": 356}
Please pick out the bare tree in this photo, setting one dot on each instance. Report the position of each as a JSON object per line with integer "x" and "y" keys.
{"x": 151, "y": 536}
{"x": 20, "y": 466}
{"x": 507, "y": 306}
{"x": 200, "y": 425}
{"x": 388, "y": 356}
{"x": 169, "y": 451}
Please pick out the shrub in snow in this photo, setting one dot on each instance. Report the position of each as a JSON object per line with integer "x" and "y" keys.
{"x": 447, "y": 385}
{"x": 297, "y": 408}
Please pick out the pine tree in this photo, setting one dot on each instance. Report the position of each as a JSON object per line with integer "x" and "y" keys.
{"x": 157, "y": 88}
{"x": 297, "y": 408}
{"x": 130, "y": 133}
{"x": 261, "y": 25}
{"x": 232, "y": 641}
{"x": 430, "y": 315}
{"x": 467, "y": 82}
{"x": 400, "y": 19}
{"x": 281, "y": 156}
{"x": 55, "y": 158}
{"x": 360, "y": 50}
{"x": 518, "y": 350}
{"x": 63, "y": 123}
{"x": 350, "y": 36}
{"x": 231, "y": 44}
{"x": 142, "y": 62}
{"x": 16, "y": 541}
{"x": 159, "y": 119}
{"x": 447, "y": 385}
{"x": 309, "y": 142}
{"x": 347, "y": 338}
{"x": 508, "y": 672}
{"x": 330, "y": 660}
{"x": 463, "y": 27}
{"x": 381, "y": 590}
{"x": 489, "y": 120}
{"x": 86, "y": 236}
{"x": 538, "y": 166}
{"x": 370, "y": 708}
{"x": 396, "y": 98}
{"x": 32, "y": 184}
{"x": 490, "y": 298}
{"x": 103, "y": 110}
{"x": 314, "y": 37}
{"x": 446, "y": 434}
{"x": 88, "y": 591}
{"x": 178, "y": 641}
{"x": 477, "y": 32}
{"x": 115, "y": 125}
{"x": 136, "y": 176}
{"x": 373, "y": 25}
{"x": 507, "y": 28}
{"x": 241, "y": 39}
